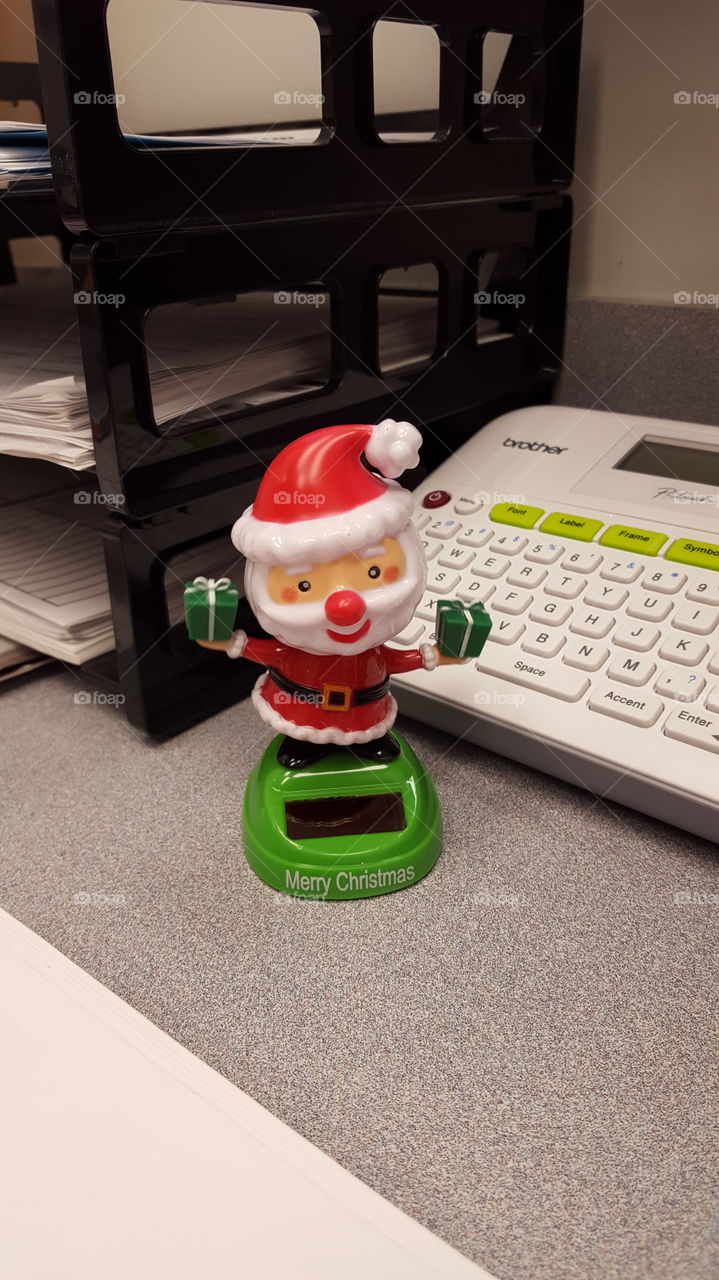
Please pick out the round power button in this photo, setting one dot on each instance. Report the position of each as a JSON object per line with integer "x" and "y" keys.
{"x": 437, "y": 498}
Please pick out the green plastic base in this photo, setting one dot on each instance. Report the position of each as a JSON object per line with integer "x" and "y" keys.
{"x": 330, "y": 863}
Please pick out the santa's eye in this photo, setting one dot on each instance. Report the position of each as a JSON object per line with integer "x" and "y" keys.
{"x": 304, "y": 585}
{"x": 374, "y": 571}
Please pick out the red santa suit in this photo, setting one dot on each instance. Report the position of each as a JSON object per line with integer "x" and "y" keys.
{"x": 324, "y": 697}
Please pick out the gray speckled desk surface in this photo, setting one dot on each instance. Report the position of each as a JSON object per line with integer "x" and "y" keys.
{"x": 519, "y": 1051}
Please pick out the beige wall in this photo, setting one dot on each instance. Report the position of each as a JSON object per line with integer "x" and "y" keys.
{"x": 658, "y": 235}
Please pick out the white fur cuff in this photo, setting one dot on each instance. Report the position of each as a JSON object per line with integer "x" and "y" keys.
{"x": 429, "y": 656}
{"x": 237, "y": 644}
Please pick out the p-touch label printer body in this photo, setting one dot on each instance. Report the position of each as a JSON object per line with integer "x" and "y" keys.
{"x": 593, "y": 540}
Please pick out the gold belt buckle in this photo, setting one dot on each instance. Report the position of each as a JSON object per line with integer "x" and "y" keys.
{"x": 330, "y": 695}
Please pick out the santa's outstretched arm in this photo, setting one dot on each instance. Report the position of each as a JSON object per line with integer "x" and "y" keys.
{"x": 265, "y": 653}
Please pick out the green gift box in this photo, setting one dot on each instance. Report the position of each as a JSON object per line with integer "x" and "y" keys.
{"x": 210, "y": 608}
{"x": 462, "y": 629}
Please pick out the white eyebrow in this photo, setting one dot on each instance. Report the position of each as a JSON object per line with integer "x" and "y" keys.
{"x": 293, "y": 569}
{"x": 372, "y": 551}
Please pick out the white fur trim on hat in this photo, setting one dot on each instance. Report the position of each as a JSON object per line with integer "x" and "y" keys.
{"x": 306, "y": 733}
{"x": 326, "y": 537}
{"x": 393, "y": 447}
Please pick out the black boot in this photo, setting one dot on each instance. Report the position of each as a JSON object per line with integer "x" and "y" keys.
{"x": 380, "y": 750}
{"x": 293, "y": 754}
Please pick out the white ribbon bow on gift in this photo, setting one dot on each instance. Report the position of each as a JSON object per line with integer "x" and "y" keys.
{"x": 212, "y": 586}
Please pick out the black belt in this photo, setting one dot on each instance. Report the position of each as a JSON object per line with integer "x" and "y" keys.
{"x": 331, "y": 697}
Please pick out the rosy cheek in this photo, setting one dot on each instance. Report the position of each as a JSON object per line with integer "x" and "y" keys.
{"x": 289, "y": 595}
{"x": 391, "y": 573}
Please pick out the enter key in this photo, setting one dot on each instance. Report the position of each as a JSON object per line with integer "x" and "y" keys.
{"x": 698, "y": 728}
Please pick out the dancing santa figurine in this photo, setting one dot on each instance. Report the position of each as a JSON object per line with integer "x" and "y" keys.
{"x": 338, "y": 806}
{"x": 335, "y": 568}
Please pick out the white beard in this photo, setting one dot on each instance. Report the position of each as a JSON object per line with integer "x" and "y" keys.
{"x": 389, "y": 609}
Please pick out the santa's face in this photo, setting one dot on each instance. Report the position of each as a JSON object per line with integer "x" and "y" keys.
{"x": 343, "y": 606}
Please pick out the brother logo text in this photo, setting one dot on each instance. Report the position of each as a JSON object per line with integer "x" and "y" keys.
{"x": 535, "y": 446}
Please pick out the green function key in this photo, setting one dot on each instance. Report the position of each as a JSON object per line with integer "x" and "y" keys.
{"x": 514, "y": 513}
{"x": 560, "y": 524}
{"x": 705, "y": 555}
{"x": 624, "y": 538}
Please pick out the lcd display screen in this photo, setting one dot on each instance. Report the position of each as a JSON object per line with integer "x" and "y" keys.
{"x": 684, "y": 462}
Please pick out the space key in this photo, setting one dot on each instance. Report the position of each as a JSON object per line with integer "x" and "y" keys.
{"x": 548, "y": 677}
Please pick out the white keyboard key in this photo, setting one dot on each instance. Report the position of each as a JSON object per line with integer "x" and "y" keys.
{"x": 667, "y": 580}
{"x": 508, "y": 544}
{"x": 476, "y": 589}
{"x": 586, "y": 656}
{"x": 544, "y": 552}
{"x": 696, "y": 728}
{"x": 474, "y": 537}
{"x": 683, "y": 649}
{"x": 547, "y": 677}
{"x": 582, "y": 560}
{"x": 421, "y": 519}
{"x": 650, "y": 608}
{"x": 712, "y": 701}
{"x": 444, "y": 528}
{"x": 640, "y": 709}
{"x": 456, "y": 557}
{"x": 545, "y": 643}
{"x": 697, "y": 619}
{"x": 442, "y": 580}
{"x": 565, "y": 585}
{"x": 466, "y": 506}
{"x": 605, "y": 596}
{"x": 512, "y": 601}
{"x": 638, "y": 636}
{"x": 706, "y": 591}
{"x": 550, "y": 613}
{"x": 411, "y": 634}
{"x": 593, "y": 623}
{"x": 490, "y": 566}
{"x": 622, "y": 570}
{"x": 631, "y": 670}
{"x": 506, "y": 631}
{"x": 713, "y": 666}
{"x": 431, "y": 547}
{"x": 682, "y": 686}
{"x": 526, "y": 575}
{"x": 428, "y": 608}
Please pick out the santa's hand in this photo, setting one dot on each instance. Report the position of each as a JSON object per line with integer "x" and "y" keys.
{"x": 234, "y": 647}
{"x": 444, "y": 661}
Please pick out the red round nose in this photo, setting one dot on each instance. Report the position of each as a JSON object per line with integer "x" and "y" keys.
{"x": 344, "y": 608}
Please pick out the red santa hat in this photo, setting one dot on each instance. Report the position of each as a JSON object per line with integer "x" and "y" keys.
{"x": 317, "y": 500}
